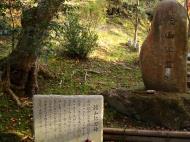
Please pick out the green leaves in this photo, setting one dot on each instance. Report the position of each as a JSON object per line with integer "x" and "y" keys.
{"x": 80, "y": 40}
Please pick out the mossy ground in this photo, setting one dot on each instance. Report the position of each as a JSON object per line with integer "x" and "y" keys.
{"x": 112, "y": 65}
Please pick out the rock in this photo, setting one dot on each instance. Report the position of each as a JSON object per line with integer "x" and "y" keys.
{"x": 188, "y": 83}
{"x": 188, "y": 56}
{"x": 168, "y": 110}
{"x": 150, "y": 91}
{"x": 164, "y": 52}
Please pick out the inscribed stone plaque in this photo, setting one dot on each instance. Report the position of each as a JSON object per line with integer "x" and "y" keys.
{"x": 164, "y": 52}
{"x": 68, "y": 118}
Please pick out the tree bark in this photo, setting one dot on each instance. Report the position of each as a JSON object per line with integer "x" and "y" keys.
{"x": 187, "y": 8}
{"x": 136, "y": 25}
{"x": 22, "y": 62}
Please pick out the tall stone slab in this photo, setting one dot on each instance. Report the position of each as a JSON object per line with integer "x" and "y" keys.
{"x": 59, "y": 118}
{"x": 164, "y": 52}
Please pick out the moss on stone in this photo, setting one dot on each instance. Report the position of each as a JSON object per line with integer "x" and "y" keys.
{"x": 170, "y": 110}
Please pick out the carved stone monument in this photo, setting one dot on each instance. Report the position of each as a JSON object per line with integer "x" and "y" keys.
{"x": 68, "y": 118}
{"x": 164, "y": 52}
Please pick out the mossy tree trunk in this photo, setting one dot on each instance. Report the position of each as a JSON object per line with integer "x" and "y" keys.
{"x": 20, "y": 73}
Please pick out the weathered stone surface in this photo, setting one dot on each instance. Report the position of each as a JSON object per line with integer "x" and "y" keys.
{"x": 170, "y": 110}
{"x": 164, "y": 52}
{"x": 59, "y": 118}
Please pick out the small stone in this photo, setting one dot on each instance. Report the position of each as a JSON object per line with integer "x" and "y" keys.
{"x": 151, "y": 92}
{"x": 129, "y": 43}
{"x": 188, "y": 56}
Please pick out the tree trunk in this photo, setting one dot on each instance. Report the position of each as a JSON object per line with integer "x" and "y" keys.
{"x": 21, "y": 70}
{"x": 187, "y": 8}
{"x": 136, "y": 32}
{"x": 136, "y": 25}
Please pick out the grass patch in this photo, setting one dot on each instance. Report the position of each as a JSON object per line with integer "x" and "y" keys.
{"x": 13, "y": 118}
{"x": 90, "y": 77}
{"x": 112, "y": 65}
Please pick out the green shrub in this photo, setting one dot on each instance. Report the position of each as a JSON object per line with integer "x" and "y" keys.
{"x": 79, "y": 39}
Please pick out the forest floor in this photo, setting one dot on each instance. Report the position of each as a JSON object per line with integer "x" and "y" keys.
{"x": 112, "y": 65}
